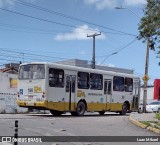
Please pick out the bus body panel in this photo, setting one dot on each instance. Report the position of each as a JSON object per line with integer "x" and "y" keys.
{"x": 66, "y": 94}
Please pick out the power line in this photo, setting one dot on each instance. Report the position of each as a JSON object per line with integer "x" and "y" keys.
{"x": 67, "y": 16}
{"x": 30, "y": 54}
{"x": 8, "y": 60}
{"x": 118, "y": 50}
{"x": 62, "y": 24}
{"x": 45, "y": 54}
{"x": 29, "y": 28}
{"x": 43, "y": 33}
{"x": 37, "y": 31}
{"x": 46, "y": 20}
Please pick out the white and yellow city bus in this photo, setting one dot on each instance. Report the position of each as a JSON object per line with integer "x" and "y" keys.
{"x": 63, "y": 88}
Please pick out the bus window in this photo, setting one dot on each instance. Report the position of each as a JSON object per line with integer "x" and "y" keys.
{"x": 118, "y": 83}
{"x": 96, "y": 81}
{"x": 83, "y": 80}
{"x": 128, "y": 84}
{"x": 32, "y": 71}
{"x": 56, "y": 77}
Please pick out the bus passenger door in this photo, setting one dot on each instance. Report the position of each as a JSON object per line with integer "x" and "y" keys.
{"x": 70, "y": 92}
{"x": 108, "y": 92}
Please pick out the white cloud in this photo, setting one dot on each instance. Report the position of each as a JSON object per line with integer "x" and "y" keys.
{"x": 111, "y": 4}
{"x": 79, "y": 33}
{"x": 111, "y": 65}
{"x": 102, "y": 4}
{"x": 134, "y": 2}
{"x": 4, "y": 3}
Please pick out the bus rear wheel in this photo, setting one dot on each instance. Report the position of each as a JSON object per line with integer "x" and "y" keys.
{"x": 101, "y": 112}
{"x": 56, "y": 113}
{"x": 81, "y": 108}
{"x": 73, "y": 113}
{"x": 124, "y": 109}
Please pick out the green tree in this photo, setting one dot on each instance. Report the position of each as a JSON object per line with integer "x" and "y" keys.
{"x": 149, "y": 27}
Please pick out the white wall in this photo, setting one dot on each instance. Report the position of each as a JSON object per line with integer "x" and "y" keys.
{"x": 150, "y": 91}
{"x": 8, "y": 95}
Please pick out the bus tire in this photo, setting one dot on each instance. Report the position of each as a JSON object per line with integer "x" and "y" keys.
{"x": 56, "y": 113}
{"x": 73, "y": 113}
{"x": 81, "y": 108}
{"x": 124, "y": 109}
{"x": 101, "y": 112}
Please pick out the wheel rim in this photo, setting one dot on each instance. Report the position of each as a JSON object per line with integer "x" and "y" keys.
{"x": 80, "y": 109}
{"x": 124, "y": 108}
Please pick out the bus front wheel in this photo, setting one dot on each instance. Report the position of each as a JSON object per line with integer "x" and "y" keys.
{"x": 56, "y": 113}
{"x": 101, "y": 112}
{"x": 124, "y": 109}
{"x": 80, "y": 110}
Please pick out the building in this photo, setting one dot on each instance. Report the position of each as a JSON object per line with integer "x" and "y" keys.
{"x": 84, "y": 63}
{"x": 8, "y": 89}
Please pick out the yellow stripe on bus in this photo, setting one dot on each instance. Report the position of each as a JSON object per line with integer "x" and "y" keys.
{"x": 64, "y": 106}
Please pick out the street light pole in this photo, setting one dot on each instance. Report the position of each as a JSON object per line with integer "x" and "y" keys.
{"x": 119, "y": 8}
{"x": 93, "y": 53}
{"x": 108, "y": 57}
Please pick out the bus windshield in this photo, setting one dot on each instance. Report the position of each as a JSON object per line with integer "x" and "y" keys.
{"x": 32, "y": 71}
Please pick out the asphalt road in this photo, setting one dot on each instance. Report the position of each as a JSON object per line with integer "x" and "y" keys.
{"x": 67, "y": 125}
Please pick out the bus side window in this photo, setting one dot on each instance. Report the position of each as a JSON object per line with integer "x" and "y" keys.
{"x": 118, "y": 83}
{"x": 56, "y": 77}
{"x": 96, "y": 81}
{"x": 83, "y": 80}
{"x": 128, "y": 84}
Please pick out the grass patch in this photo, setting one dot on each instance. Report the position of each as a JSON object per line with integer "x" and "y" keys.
{"x": 145, "y": 123}
{"x": 158, "y": 116}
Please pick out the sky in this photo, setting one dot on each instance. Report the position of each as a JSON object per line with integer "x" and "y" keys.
{"x": 55, "y": 30}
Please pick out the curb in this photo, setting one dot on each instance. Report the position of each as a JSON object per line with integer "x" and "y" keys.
{"x": 137, "y": 123}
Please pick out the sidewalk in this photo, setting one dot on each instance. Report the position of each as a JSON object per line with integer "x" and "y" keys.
{"x": 136, "y": 119}
{"x": 144, "y": 116}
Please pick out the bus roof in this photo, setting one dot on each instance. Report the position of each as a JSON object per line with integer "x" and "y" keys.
{"x": 76, "y": 68}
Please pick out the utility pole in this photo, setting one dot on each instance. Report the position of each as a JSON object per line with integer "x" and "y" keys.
{"x": 93, "y": 53}
{"x": 146, "y": 78}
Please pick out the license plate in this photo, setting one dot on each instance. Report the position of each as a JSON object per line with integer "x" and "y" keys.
{"x": 30, "y": 90}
